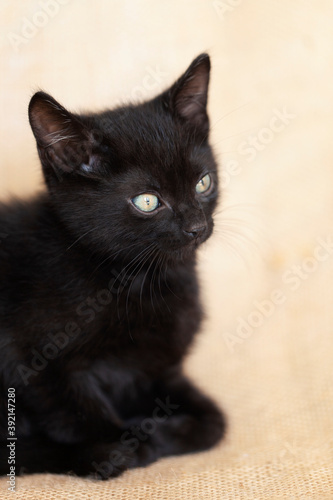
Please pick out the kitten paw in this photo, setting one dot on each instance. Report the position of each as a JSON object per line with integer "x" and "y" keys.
{"x": 104, "y": 461}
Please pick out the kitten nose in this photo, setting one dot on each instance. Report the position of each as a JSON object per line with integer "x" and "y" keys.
{"x": 195, "y": 231}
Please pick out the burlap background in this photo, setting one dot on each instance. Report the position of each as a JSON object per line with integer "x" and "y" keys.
{"x": 273, "y": 374}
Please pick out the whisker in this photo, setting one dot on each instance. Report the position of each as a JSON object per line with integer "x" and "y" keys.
{"x": 143, "y": 281}
{"x": 232, "y": 136}
{"x": 163, "y": 261}
{"x": 112, "y": 255}
{"x": 143, "y": 262}
{"x": 230, "y": 112}
{"x": 134, "y": 262}
{"x": 136, "y": 257}
{"x": 235, "y": 250}
{"x": 82, "y": 236}
{"x": 152, "y": 288}
{"x": 166, "y": 282}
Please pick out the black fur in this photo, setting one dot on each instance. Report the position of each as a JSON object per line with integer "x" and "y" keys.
{"x": 99, "y": 301}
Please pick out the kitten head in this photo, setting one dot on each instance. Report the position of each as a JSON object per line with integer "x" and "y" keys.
{"x": 137, "y": 178}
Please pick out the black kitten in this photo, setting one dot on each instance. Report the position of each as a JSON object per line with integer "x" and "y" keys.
{"x": 98, "y": 289}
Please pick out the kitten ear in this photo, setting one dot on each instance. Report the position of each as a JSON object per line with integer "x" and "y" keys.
{"x": 188, "y": 96}
{"x": 63, "y": 142}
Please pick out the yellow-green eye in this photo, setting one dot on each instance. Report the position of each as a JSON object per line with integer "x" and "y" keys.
{"x": 204, "y": 184}
{"x": 146, "y": 202}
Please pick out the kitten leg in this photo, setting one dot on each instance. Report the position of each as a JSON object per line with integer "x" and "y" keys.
{"x": 99, "y": 461}
{"x": 194, "y": 422}
{"x": 183, "y": 420}
{"x": 180, "y": 420}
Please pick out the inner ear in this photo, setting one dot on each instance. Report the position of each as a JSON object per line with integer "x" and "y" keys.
{"x": 62, "y": 139}
{"x": 189, "y": 94}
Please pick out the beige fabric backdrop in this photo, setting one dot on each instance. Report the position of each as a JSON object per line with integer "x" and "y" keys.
{"x": 266, "y": 348}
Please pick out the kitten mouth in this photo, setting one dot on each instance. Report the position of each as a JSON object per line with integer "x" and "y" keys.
{"x": 193, "y": 244}
{"x": 184, "y": 251}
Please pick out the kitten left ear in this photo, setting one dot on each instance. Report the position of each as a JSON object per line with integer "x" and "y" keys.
{"x": 188, "y": 96}
{"x": 63, "y": 142}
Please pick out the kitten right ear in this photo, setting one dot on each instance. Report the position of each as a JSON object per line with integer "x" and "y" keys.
{"x": 63, "y": 141}
{"x": 187, "y": 98}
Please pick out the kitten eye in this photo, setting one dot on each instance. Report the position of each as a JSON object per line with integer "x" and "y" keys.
{"x": 146, "y": 202}
{"x": 204, "y": 184}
